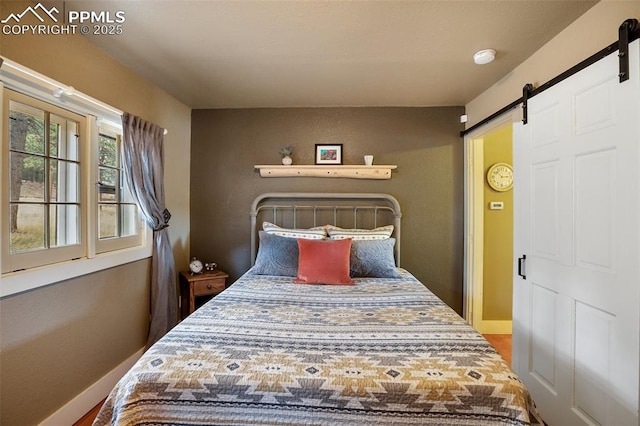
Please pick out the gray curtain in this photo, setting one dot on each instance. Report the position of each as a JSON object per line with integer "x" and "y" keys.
{"x": 143, "y": 163}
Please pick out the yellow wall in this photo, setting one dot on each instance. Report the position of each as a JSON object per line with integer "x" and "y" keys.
{"x": 57, "y": 341}
{"x": 498, "y": 232}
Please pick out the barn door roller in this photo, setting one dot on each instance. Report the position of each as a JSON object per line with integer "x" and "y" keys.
{"x": 526, "y": 94}
{"x": 624, "y": 34}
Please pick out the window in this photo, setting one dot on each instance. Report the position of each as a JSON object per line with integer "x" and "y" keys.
{"x": 118, "y": 224}
{"x": 64, "y": 196}
{"x": 44, "y": 218}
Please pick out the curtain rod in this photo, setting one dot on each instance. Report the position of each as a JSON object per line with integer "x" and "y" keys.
{"x": 58, "y": 89}
{"x": 629, "y": 25}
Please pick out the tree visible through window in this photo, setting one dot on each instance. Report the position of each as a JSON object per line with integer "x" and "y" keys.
{"x": 44, "y": 179}
{"x": 117, "y": 212}
{"x": 64, "y": 196}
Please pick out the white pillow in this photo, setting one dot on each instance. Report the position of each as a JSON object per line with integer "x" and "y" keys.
{"x": 307, "y": 234}
{"x": 380, "y": 233}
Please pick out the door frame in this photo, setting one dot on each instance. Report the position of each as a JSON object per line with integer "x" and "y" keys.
{"x": 474, "y": 218}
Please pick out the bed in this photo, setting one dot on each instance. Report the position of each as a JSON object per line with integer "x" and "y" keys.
{"x": 376, "y": 349}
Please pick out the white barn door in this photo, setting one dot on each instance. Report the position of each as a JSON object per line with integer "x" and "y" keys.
{"x": 576, "y": 325}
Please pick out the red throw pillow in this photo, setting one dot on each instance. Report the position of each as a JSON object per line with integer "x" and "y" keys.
{"x": 323, "y": 262}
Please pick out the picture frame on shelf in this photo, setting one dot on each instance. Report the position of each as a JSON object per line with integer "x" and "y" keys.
{"x": 328, "y": 154}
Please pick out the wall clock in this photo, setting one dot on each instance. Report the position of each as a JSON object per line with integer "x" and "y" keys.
{"x": 500, "y": 177}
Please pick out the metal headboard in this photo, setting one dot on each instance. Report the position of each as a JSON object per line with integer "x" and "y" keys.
{"x": 307, "y": 209}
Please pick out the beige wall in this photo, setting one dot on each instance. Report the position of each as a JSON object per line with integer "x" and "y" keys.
{"x": 423, "y": 142}
{"x": 498, "y": 233}
{"x": 593, "y": 31}
{"x": 58, "y": 340}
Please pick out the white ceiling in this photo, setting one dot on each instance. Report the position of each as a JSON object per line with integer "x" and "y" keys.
{"x": 268, "y": 53}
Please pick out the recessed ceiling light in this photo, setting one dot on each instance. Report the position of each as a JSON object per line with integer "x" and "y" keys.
{"x": 484, "y": 56}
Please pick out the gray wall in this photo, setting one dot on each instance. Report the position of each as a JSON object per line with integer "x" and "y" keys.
{"x": 423, "y": 142}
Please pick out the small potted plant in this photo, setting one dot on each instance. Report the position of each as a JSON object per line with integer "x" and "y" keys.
{"x": 285, "y": 153}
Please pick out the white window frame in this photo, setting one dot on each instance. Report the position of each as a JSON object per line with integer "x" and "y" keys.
{"x": 44, "y": 256}
{"x": 116, "y": 243}
{"x": 30, "y": 83}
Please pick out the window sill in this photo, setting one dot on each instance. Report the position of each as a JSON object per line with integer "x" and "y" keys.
{"x": 18, "y": 282}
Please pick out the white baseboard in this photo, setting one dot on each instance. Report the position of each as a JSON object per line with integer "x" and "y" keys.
{"x": 496, "y": 327}
{"x": 73, "y": 410}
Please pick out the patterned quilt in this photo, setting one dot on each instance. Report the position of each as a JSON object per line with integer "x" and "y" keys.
{"x": 268, "y": 351}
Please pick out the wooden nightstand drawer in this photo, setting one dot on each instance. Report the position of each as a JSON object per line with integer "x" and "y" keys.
{"x": 195, "y": 290}
{"x": 206, "y": 287}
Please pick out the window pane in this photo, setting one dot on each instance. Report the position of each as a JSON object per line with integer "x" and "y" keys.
{"x": 64, "y": 181}
{"x": 64, "y": 221}
{"x": 108, "y": 220}
{"x": 108, "y": 176}
{"x": 63, "y": 139}
{"x": 108, "y": 155}
{"x": 27, "y": 227}
{"x": 118, "y": 215}
{"x": 129, "y": 220}
{"x": 54, "y": 134}
{"x": 26, "y": 128}
{"x": 108, "y": 185}
{"x": 27, "y": 177}
{"x": 107, "y": 194}
{"x": 125, "y": 192}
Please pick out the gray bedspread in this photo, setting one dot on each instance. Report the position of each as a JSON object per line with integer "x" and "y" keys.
{"x": 268, "y": 351}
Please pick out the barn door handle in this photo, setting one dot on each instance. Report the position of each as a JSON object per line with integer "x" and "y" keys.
{"x": 521, "y": 261}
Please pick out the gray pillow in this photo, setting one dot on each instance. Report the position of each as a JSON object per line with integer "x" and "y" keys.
{"x": 373, "y": 258}
{"x": 276, "y": 256}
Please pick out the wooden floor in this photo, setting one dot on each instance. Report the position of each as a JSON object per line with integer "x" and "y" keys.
{"x": 502, "y": 343}
{"x": 88, "y": 418}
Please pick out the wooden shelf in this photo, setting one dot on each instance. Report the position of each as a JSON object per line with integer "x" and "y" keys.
{"x": 345, "y": 171}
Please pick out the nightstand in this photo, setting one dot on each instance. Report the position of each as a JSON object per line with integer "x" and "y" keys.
{"x": 196, "y": 289}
